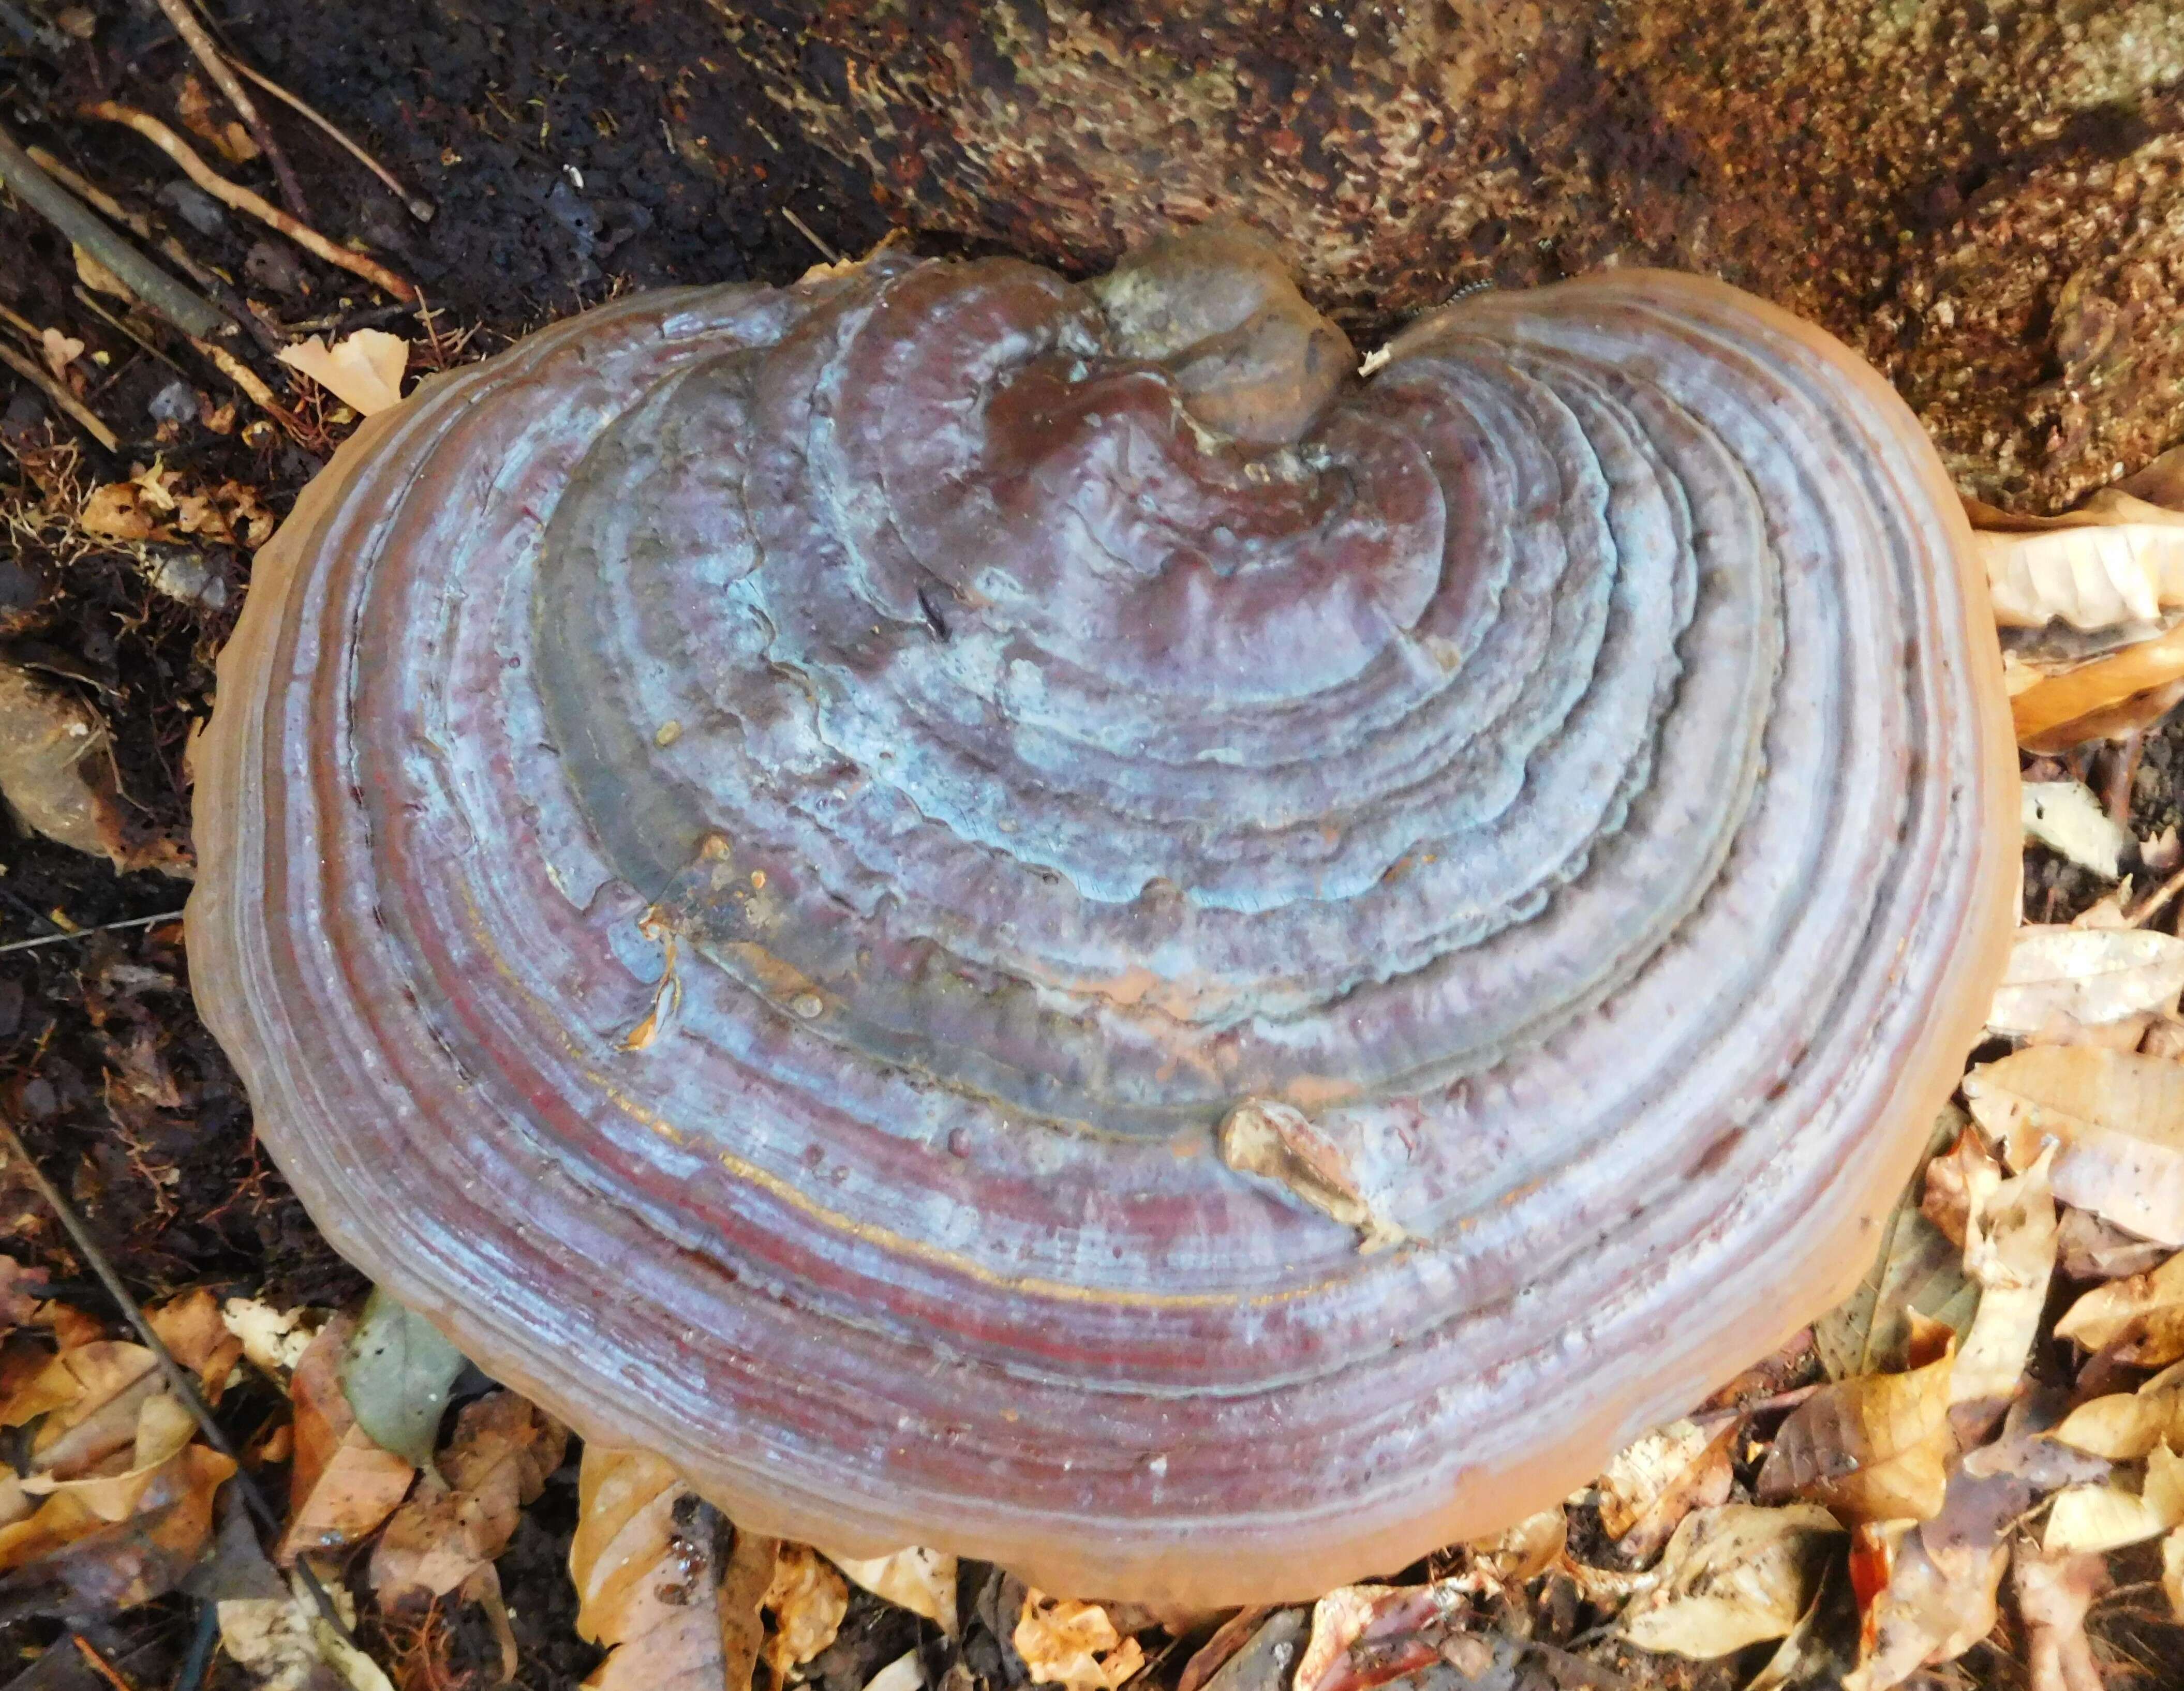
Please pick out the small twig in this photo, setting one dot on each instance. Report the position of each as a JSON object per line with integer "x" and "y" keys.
{"x": 243, "y": 200}
{"x": 153, "y": 286}
{"x": 85, "y": 418}
{"x": 200, "y": 44}
{"x": 804, "y": 230}
{"x": 179, "y": 1380}
{"x": 415, "y": 204}
{"x": 99, "y": 1665}
{"x": 2156, "y": 901}
{"x": 252, "y": 384}
{"x": 1780, "y": 1400}
{"x": 85, "y": 932}
{"x": 198, "y": 1660}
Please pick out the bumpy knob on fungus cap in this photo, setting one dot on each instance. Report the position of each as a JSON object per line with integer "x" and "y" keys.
{"x": 1027, "y": 918}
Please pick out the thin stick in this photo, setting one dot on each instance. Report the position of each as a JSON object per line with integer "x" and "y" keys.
{"x": 415, "y": 204}
{"x": 804, "y": 230}
{"x": 179, "y": 1380}
{"x": 252, "y": 384}
{"x": 242, "y": 198}
{"x": 154, "y": 286}
{"x": 2156, "y": 901}
{"x": 85, "y": 418}
{"x": 199, "y": 44}
{"x": 198, "y": 1660}
{"x": 84, "y": 932}
{"x": 100, "y": 1665}
{"x": 215, "y": 285}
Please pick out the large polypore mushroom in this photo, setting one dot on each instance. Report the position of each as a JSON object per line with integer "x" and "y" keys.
{"x": 1027, "y": 917}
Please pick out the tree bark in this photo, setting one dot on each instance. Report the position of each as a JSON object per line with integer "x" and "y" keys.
{"x": 1987, "y": 199}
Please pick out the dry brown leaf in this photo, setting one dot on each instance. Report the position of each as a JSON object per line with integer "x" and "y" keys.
{"x": 1366, "y": 1635}
{"x": 2106, "y": 1517}
{"x": 363, "y": 371}
{"x": 2053, "y": 1594}
{"x": 2125, "y": 1426}
{"x": 190, "y": 1325}
{"x": 2060, "y": 975}
{"x": 90, "y": 1398}
{"x": 2118, "y": 1116}
{"x": 60, "y": 351}
{"x": 1917, "y": 1271}
{"x": 807, "y": 1598}
{"x": 342, "y": 1485}
{"x": 1067, "y": 1642}
{"x": 462, "y": 1517}
{"x": 69, "y": 1560}
{"x": 652, "y": 1585}
{"x": 2115, "y": 560}
{"x": 2143, "y": 1316}
{"x": 2065, "y": 817}
{"x": 2088, "y": 1247}
{"x": 2110, "y": 694}
{"x": 1872, "y": 1448}
{"x": 1228, "y": 1641}
{"x": 2010, "y": 1252}
{"x": 919, "y": 1580}
{"x": 57, "y": 770}
{"x": 1527, "y": 1549}
{"x": 1732, "y": 1576}
{"x": 1650, "y": 1486}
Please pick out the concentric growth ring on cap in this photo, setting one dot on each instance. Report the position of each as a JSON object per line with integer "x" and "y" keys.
{"x": 752, "y": 841}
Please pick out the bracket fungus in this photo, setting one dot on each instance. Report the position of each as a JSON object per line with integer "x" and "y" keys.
{"x": 1030, "y": 917}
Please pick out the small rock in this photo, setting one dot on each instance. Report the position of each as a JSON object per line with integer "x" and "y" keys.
{"x": 175, "y": 403}
{"x": 195, "y": 207}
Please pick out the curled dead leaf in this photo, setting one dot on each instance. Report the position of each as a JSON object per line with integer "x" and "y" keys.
{"x": 1074, "y": 1644}
{"x": 363, "y": 369}
{"x": 1732, "y": 1576}
{"x": 343, "y": 1484}
{"x": 1872, "y": 1448}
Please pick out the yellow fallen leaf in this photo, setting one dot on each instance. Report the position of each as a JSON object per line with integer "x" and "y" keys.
{"x": 2089, "y": 1518}
{"x": 2172, "y": 1572}
{"x": 1730, "y": 1577}
{"x": 1650, "y": 1486}
{"x": 2118, "y": 1117}
{"x": 2124, "y": 1425}
{"x": 2144, "y": 1313}
{"x": 363, "y": 369}
{"x": 2009, "y": 1251}
{"x": 1872, "y": 1448}
{"x": 2088, "y": 975}
{"x": 1067, "y": 1642}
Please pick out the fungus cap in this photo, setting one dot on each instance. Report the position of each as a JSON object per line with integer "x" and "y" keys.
{"x": 1027, "y": 917}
